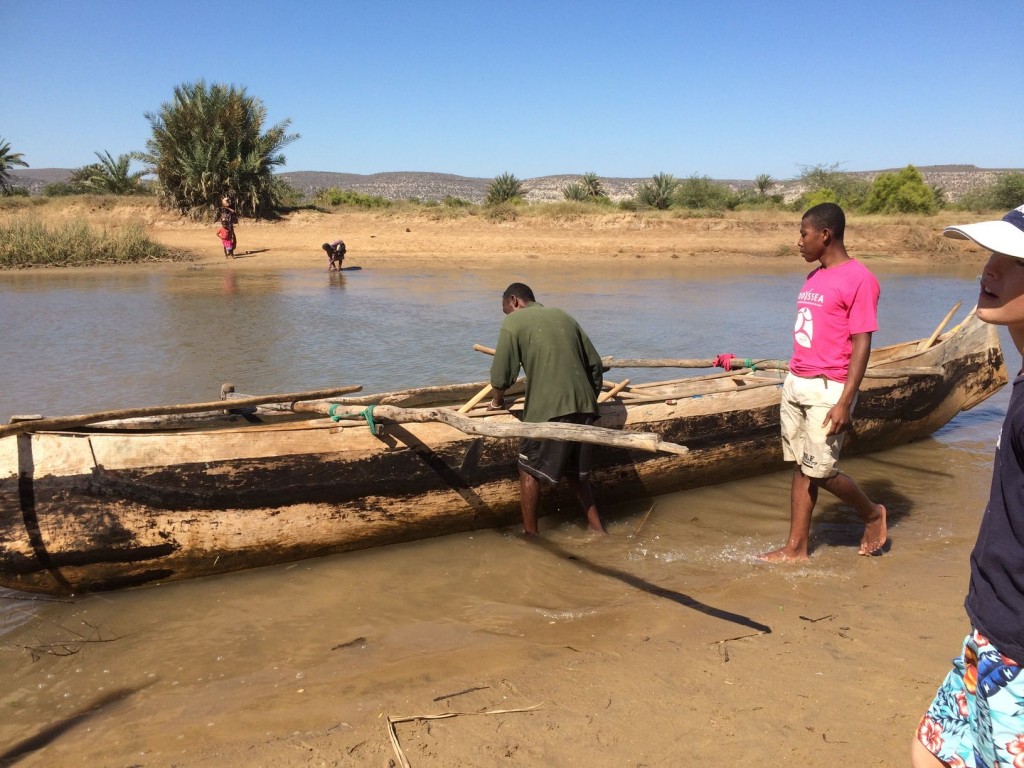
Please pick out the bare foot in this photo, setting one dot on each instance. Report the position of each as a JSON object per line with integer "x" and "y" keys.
{"x": 875, "y": 533}
{"x": 783, "y": 555}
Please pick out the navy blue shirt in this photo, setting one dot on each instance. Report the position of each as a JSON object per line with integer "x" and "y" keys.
{"x": 995, "y": 599}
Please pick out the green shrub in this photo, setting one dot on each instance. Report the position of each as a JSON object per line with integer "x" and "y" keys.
{"x": 823, "y": 195}
{"x": 1008, "y": 191}
{"x": 575, "y": 191}
{"x": 902, "y": 192}
{"x": 60, "y": 189}
{"x": 27, "y": 242}
{"x": 701, "y": 193}
{"x": 1004, "y": 194}
{"x": 978, "y": 200}
{"x": 504, "y": 189}
{"x": 752, "y": 199}
{"x": 827, "y": 184}
{"x": 657, "y": 193}
{"x": 334, "y": 198}
{"x": 501, "y": 212}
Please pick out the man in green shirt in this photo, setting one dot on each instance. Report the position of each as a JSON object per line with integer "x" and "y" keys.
{"x": 563, "y": 377}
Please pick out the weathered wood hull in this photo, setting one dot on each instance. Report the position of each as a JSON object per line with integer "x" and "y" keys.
{"x": 103, "y": 509}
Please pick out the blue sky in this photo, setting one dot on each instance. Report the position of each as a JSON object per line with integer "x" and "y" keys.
{"x": 727, "y": 89}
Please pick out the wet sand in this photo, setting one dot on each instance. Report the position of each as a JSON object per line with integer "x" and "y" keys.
{"x": 822, "y": 664}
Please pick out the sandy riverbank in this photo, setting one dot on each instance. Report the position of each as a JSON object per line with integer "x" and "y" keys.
{"x": 416, "y": 236}
{"x": 758, "y": 239}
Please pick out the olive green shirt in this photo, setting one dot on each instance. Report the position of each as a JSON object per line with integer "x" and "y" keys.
{"x": 563, "y": 370}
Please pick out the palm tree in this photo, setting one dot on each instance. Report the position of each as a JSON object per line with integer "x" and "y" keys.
{"x": 8, "y": 160}
{"x": 593, "y": 185}
{"x": 657, "y": 193}
{"x": 762, "y": 183}
{"x": 112, "y": 176}
{"x": 504, "y": 189}
{"x": 209, "y": 142}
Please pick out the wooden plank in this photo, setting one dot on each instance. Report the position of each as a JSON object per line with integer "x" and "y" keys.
{"x": 644, "y": 441}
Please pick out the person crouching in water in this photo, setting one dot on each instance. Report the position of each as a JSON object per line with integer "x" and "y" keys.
{"x": 335, "y": 255}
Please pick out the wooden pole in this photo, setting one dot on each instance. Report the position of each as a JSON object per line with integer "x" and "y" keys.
{"x": 70, "y": 422}
{"x": 548, "y": 430}
{"x": 474, "y": 400}
{"x": 766, "y": 365}
{"x": 935, "y": 334}
{"x": 609, "y": 394}
{"x": 698, "y": 362}
{"x": 763, "y": 364}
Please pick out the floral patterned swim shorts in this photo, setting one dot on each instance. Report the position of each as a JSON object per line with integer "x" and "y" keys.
{"x": 977, "y": 716}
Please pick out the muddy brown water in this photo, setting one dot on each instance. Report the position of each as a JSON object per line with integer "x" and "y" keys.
{"x": 152, "y": 672}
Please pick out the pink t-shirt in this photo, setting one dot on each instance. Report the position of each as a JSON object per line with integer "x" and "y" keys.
{"x": 835, "y": 303}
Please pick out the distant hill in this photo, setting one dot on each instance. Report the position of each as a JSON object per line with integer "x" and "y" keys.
{"x": 34, "y": 179}
{"x": 954, "y": 179}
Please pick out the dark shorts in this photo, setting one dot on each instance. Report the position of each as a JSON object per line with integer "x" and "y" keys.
{"x": 549, "y": 460}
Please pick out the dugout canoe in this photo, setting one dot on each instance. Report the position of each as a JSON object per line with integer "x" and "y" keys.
{"x": 132, "y": 502}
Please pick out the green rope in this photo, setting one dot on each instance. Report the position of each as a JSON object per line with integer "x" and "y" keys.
{"x": 748, "y": 363}
{"x": 366, "y": 413}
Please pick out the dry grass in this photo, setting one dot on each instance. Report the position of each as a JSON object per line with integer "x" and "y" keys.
{"x": 27, "y": 241}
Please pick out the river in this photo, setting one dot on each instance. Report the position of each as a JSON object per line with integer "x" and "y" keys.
{"x": 169, "y": 661}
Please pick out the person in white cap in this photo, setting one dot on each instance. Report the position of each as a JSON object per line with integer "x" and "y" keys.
{"x": 977, "y": 716}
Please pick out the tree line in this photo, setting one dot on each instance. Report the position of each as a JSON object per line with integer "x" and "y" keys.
{"x": 903, "y": 191}
{"x": 209, "y": 141}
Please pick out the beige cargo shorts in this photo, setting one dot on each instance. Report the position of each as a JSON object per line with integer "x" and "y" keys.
{"x": 805, "y": 402}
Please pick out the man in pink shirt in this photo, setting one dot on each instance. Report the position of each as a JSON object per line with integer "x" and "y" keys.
{"x": 836, "y": 315}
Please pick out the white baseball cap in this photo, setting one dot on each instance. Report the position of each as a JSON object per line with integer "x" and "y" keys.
{"x": 1005, "y": 236}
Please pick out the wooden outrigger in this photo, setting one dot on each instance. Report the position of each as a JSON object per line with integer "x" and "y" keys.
{"x": 91, "y": 503}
